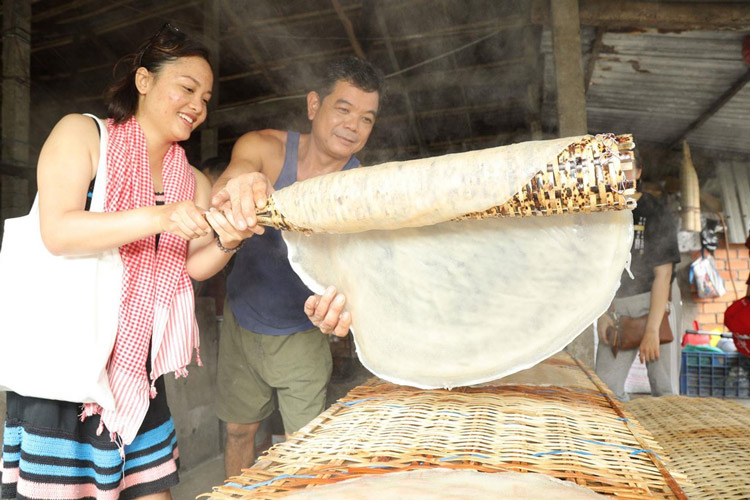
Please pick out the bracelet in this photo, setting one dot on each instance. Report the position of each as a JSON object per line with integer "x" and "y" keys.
{"x": 228, "y": 250}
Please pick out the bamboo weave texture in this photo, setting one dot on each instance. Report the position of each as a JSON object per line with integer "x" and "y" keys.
{"x": 570, "y": 432}
{"x": 707, "y": 438}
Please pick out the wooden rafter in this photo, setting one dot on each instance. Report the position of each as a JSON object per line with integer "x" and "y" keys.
{"x": 161, "y": 10}
{"x": 677, "y": 15}
{"x": 383, "y": 29}
{"x": 349, "y": 29}
{"x": 714, "y": 108}
{"x": 260, "y": 62}
{"x": 595, "y": 50}
{"x": 475, "y": 75}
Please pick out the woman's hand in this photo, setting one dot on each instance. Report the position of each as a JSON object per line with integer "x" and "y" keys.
{"x": 183, "y": 219}
{"x": 327, "y": 312}
{"x": 649, "y": 348}
{"x": 229, "y": 236}
{"x": 605, "y": 323}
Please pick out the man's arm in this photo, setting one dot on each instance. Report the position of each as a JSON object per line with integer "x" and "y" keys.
{"x": 649, "y": 349}
{"x": 245, "y": 184}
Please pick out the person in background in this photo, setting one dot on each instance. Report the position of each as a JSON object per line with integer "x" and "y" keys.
{"x": 653, "y": 255}
{"x": 272, "y": 337}
{"x": 154, "y": 215}
{"x": 216, "y": 286}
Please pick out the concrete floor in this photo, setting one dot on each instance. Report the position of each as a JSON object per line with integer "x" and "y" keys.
{"x": 200, "y": 479}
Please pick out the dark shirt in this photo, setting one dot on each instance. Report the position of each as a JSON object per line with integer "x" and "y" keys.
{"x": 265, "y": 294}
{"x": 654, "y": 244}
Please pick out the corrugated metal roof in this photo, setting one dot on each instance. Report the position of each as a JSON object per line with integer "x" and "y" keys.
{"x": 654, "y": 85}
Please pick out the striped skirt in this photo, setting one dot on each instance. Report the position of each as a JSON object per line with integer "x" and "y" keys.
{"x": 48, "y": 453}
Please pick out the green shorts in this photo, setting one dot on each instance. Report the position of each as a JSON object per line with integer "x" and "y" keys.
{"x": 252, "y": 367}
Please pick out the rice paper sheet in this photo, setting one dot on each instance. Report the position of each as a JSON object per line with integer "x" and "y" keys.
{"x": 438, "y": 303}
{"x": 450, "y": 484}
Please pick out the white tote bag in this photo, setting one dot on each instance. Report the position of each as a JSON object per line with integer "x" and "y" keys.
{"x": 58, "y": 315}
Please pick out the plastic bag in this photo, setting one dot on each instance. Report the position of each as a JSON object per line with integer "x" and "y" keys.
{"x": 704, "y": 274}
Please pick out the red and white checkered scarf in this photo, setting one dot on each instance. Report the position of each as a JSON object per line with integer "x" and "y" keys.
{"x": 157, "y": 302}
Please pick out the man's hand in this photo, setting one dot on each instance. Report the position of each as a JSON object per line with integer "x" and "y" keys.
{"x": 327, "y": 312}
{"x": 226, "y": 230}
{"x": 241, "y": 196}
{"x": 649, "y": 348}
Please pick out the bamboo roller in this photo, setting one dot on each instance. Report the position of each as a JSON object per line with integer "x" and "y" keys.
{"x": 589, "y": 175}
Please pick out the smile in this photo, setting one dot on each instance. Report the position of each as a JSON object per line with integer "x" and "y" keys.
{"x": 346, "y": 139}
{"x": 186, "y": 118}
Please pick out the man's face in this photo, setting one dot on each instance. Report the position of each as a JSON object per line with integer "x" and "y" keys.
{"x": 343, "y": 120}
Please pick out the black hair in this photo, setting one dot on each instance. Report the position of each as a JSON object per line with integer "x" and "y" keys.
{"x": 358, "y": 72}
{"x": 167, "y": 45}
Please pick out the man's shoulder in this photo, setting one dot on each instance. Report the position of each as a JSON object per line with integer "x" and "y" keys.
{"x": 261, "y": 143}
{"x": 269, "y": 137}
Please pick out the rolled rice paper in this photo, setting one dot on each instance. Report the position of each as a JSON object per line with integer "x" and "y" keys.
{"x": 442, "y": 302}
{"x": 448, "y": 484}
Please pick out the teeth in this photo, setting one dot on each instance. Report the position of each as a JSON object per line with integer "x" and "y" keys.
{"x": 186, "y": 118}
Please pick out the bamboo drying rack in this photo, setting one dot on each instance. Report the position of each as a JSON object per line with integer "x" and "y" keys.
{"x": 708, "y": 438}
{"x": 576, "y": 432}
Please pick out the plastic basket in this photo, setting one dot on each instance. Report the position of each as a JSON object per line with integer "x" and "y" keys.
{"x": 720, "y": 375}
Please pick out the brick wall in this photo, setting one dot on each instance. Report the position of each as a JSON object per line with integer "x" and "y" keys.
{"x": 711, "y": 311}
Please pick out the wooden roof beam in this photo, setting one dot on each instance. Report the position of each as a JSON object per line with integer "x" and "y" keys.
{"x": 291, "y": 107}
{"x": 485, "y": 76}
{"x": 349, "y": 29}
{"x": 677, "y": 16}
{"x": 160, "y": 11}
{"x": 253, "y": 50}
{"x": 383, "y": 29}
{"x": 532, "y": 41}
{"x": 596, "y": 48}
{"x": 714, "y": 108}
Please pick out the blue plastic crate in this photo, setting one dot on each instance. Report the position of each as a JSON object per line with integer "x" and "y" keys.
{"x": 720, "y": 375}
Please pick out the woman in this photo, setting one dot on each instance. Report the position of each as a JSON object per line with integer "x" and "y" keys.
{"x": 152, "y": 213}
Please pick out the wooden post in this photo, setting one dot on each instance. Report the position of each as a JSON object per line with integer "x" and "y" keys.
{"x": 532, "y": 38}
{"x": 18, "y": 190}
{"x": 210, "y": 134}
{"x": 566, "y": 41}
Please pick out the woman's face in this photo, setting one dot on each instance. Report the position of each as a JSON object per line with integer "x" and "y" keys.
{"x": 173, "y": 101}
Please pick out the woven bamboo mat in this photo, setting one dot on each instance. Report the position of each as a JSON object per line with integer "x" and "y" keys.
{"x": 708, "y": 438}
{"x": 575, "y": 431}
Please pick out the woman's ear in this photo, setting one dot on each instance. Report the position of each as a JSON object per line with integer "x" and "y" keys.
{"x": 143, "y": 80}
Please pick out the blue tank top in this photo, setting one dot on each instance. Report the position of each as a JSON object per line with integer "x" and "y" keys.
{"x": 265, "y": 294}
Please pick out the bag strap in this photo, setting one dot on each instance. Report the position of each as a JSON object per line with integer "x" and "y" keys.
{"x": 98, "y": 196}
{"x": 100, "y": 180}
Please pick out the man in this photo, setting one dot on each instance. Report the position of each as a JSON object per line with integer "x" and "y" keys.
{"x": 273, "y": 335}
{"x": 653, "y": 255}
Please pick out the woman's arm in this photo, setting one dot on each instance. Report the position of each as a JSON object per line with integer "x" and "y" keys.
{"x": 205, "y": 258}
{"x": 649, "y": 348}
{"x": 67, "y": 164}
